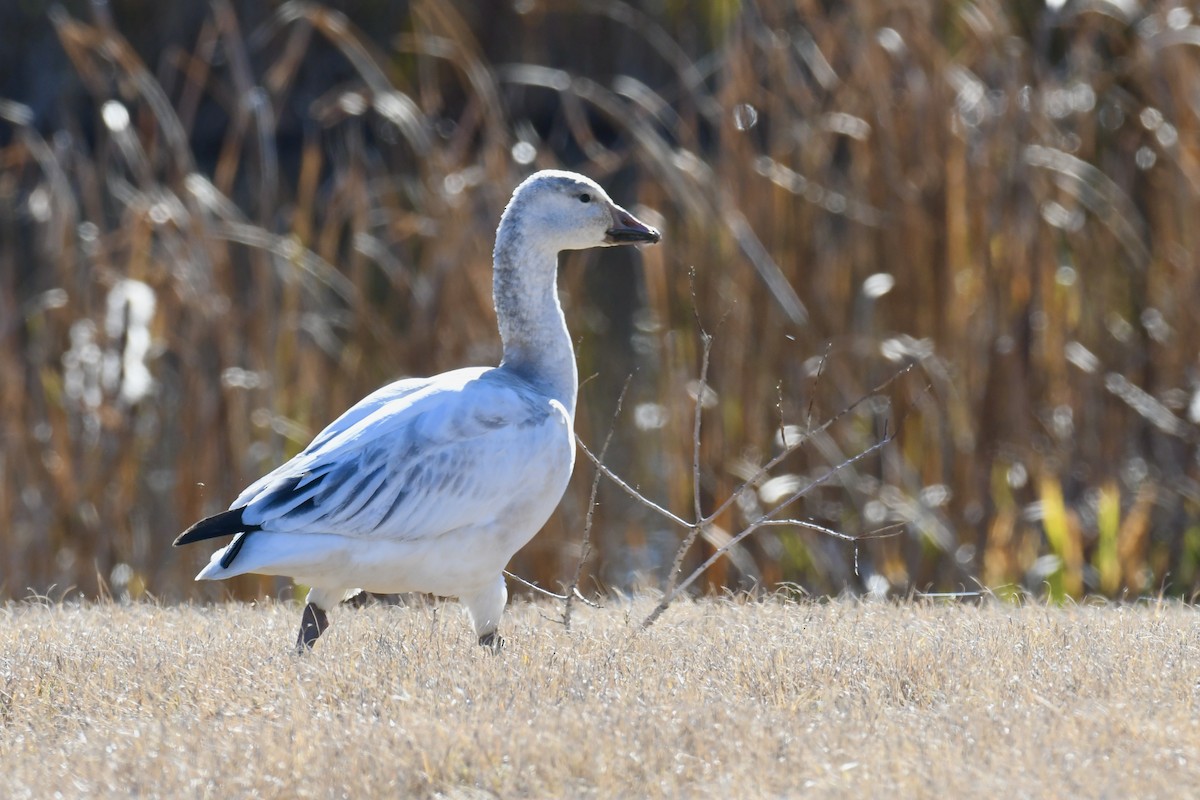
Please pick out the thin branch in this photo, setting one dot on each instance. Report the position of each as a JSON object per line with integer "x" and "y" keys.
{"x": 548, "y": 593}
{"x": 701, "y": 389}
{"x": 779, "y": 411}
{"x": 629, "y": 490}
{"x": 878, "y": 533}
{"x": 790, "y": 448}
{"x": 585, "y": 549}
{"x": 696, "y": 527}
{"x": 816, "y": 379}
{"x": 752, "y": 527}
{"x": 751, "y": 481}
{"x": 769, "y": 518}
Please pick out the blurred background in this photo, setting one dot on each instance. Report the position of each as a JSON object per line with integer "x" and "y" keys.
{"x": 223, "y": 223}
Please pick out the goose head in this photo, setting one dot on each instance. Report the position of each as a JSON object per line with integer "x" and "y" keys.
{"x": 570, "y": 212}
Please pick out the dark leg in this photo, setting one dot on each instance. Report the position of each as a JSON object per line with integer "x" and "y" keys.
{"x": 364, "y": 599}
{"x": 360, "y": 600}
{"x": 312, "y": 624}
{"x": 492, "y": 641}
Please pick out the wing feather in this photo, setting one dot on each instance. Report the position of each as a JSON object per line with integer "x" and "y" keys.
{"x": 415, "y": 463}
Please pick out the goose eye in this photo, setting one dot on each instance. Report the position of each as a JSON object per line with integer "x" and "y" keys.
{"x": 585, "y": 198}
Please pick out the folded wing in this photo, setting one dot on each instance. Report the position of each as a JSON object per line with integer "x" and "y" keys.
{"x": 417, "y": 463}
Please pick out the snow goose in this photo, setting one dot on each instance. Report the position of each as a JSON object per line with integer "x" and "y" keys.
{"x": 432, "y": 484}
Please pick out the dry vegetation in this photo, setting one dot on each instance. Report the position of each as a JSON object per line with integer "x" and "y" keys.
{"x": 1000, "y": 194}
{"x": 720, "y": 699}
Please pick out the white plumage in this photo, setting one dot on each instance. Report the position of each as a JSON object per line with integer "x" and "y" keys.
{"x": 432, "y": 484}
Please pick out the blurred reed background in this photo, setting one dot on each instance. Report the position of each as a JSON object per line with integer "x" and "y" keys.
{"x": 221, "y": 224}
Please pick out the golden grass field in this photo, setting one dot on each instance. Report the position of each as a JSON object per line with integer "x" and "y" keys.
{"x": 720, "y": 698}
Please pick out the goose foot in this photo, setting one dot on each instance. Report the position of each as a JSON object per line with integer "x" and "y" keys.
{"x": 492, "y": 641}
{"x": 312, "y": 624}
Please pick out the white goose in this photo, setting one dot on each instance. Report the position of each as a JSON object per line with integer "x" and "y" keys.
{"x": 432, "y": 484}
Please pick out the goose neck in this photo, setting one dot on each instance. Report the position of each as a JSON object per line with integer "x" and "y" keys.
{"x": 537, "y": 344}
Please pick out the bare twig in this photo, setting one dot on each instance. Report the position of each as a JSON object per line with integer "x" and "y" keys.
{"x": 753, "y": 480}
{"x": 544, "y": 591}
{"x": 791, "y": 447}
{"x": 812, "y": 400}
{"x": 878, "y": 533}
{"x": 631, "y": 491}
{"x": 753, "y": 526}
{"x": 586, "y": 545}
{"x": 696, "y": 527}
{"x": 701, "y": 391}
{"x": 767, "y": 519}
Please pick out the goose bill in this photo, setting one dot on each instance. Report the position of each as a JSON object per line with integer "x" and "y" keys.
{"x": 628, "y": 229}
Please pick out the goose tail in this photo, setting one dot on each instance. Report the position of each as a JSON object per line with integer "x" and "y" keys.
{"x": 224, "y": 524}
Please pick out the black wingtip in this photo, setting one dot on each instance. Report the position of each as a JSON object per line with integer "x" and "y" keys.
{"x": 226, "y": 523}
{"x": 235, "y": 547}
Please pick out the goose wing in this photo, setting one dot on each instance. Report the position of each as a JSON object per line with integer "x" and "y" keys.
{"x": 419, "y": 460}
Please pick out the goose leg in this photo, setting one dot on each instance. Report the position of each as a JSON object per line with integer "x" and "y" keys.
{"x": 359, "y": 599}
{"x": 314, "y": 620}
{"x": 485, "y": 607}
{"x": 312, "y": 624}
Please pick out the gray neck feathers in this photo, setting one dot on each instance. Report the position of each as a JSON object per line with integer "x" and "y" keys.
{"x": 537, "y": 346}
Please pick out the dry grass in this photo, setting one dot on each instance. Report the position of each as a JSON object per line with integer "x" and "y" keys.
{"x": 719, "y": 699}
